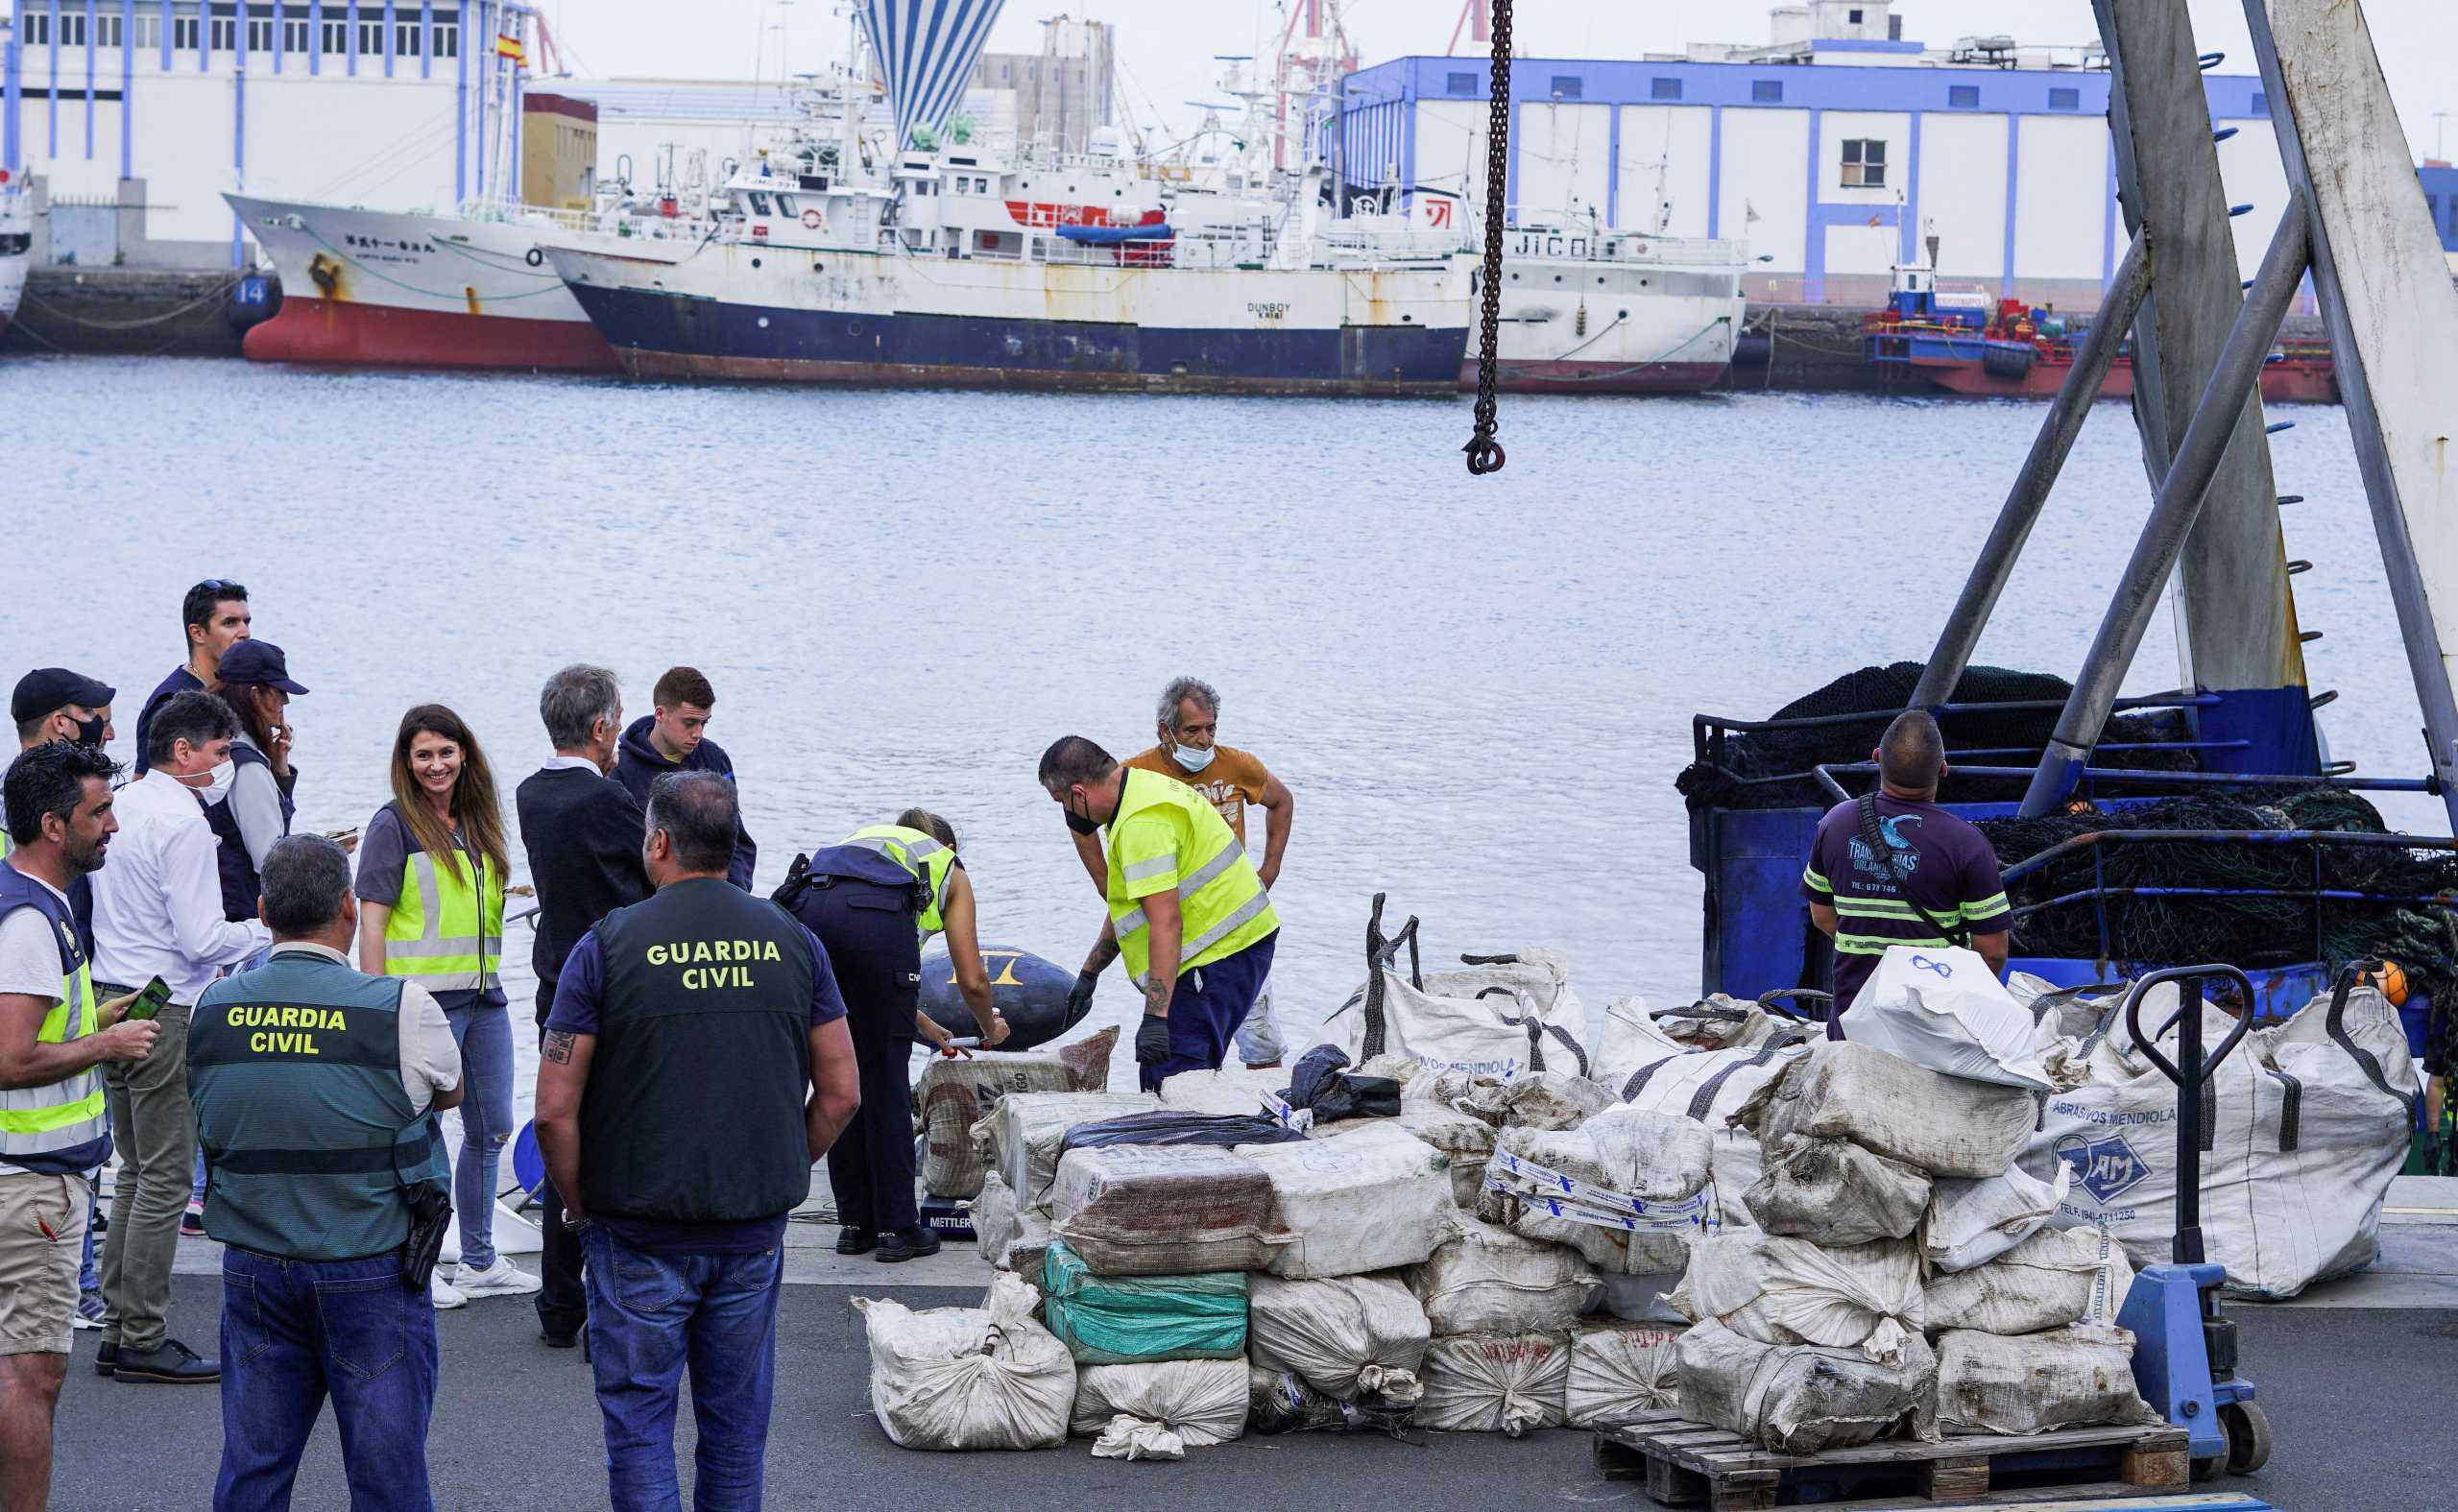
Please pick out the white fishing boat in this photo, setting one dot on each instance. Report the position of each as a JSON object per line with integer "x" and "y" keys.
{"x": 16, "y": 244}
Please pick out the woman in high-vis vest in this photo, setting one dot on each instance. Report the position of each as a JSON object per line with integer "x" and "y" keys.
{"x": 873, "y": 899}
{"x": 431, "y": 868}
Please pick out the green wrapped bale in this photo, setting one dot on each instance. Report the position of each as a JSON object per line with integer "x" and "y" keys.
{"x": 1132, "y": 1320}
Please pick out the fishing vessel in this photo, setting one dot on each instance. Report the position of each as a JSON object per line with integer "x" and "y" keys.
{"x": 17, "y": 245}
{"x": 1964, "y": 343}
{"x": 1590, "y": 310}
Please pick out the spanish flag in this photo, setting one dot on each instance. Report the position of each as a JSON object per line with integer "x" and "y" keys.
{"x": 510, "y": 47}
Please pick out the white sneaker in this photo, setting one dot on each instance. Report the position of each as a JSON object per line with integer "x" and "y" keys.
{"x": 502, "y": 1279}
{"x": 445, "y": 1294}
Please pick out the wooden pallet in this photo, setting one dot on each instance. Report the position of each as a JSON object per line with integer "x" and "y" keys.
{"x": 1690, "y": 1464}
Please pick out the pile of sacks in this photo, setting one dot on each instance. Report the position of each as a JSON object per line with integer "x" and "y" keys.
{"x": 1900, "y": 1272}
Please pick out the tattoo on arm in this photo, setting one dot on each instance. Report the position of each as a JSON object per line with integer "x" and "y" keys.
{"x": 1104, "y": 951}
{"x": 1157, "y": 995}
{"x": 558, "y": 1047}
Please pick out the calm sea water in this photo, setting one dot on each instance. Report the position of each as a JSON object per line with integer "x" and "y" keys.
{"x": 1480, "y": 690}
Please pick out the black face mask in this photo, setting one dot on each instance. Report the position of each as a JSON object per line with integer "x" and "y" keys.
{"x": 1082, "y": 824}
{"x": 89, "y": 733}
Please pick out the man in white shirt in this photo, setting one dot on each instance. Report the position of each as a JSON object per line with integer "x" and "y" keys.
{"x": 157, "y": 912}
{"x": 52, "y": 1035}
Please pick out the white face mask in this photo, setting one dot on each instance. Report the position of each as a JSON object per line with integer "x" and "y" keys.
{"x": 1192, "y": 758}
{"x": 218, "y": 787}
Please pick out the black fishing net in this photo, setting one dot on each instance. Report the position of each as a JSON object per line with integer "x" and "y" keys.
{"x": 1771, "y": 768}
{"x": 2405, "y": 917}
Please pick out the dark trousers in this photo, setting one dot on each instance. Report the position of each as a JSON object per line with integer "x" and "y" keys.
{"x": 563, "y": 1302}
{"x": 295, "y": 1332}
{"x": 1206, "y": 1008}
{"x": 876, "y": 952}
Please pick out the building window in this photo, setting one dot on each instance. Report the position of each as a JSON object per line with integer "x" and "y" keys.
{"x": 72, "y": 28}
{"x": 448, "y": 39}
{"x": 183, "y": 33}
{"x": 1963, "y": 97}
{"x": 1853, "y": 16}
{"x": 406, "y": 39}
{"x": 293, "y": 34}
{"x": 1766, "y": 91}
{"x": 1664, "y": 89}
{"x": 371, "y": 38}
{"x": 260, "y": 33}
{"x": 35, "y": 28}
{"x": 1460, "y": 83}
{"x": 106, "y": 32}
{"x": 223, "y": 34}
{"x": 1864, "y": 163}
{"x": 2065, "y": 98}
{"x": 148, "y": 30}
{"x": 2261, "y": 103}
{"x": 336, "y": 38}
{"x": 1566, "y": 86}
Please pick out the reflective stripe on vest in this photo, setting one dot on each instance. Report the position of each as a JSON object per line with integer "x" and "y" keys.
{"x": 924, "y": 859}
{"x": 62, "y": 1115}
{"x": 443, "y": 934}
{"x": 1219, "y": 902}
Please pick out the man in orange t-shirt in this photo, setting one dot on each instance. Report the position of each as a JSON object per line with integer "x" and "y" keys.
{"x": 1190, "y": 750}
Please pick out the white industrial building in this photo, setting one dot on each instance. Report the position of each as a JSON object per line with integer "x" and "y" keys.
{"x": 136, "y": 114}
{"x": 1832, "y": 153}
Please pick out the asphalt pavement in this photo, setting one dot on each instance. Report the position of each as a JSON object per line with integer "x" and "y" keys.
{"x": 2358, "y": 1397}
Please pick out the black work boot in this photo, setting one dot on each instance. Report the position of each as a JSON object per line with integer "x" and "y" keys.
{"x": 172, "y": 1364}
{"x": 857, "y": 1242}
{"x": 106, "y": 1358}
{"x": 904, "y": 1244}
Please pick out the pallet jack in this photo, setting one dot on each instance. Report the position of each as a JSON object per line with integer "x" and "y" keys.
{"x": 2184, "y": 1349}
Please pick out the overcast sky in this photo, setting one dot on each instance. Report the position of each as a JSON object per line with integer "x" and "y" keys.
{"x": 1167, "y": 47}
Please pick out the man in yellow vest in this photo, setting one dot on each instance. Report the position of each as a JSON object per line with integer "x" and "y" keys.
{"x": 1186, "y": 907}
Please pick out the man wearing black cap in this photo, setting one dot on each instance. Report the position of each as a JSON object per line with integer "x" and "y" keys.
{"x": 56, "y": 703}
{"x": 213, "y": 616}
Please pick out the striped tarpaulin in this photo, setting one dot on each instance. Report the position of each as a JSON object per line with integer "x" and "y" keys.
{"x": 925, "y": 50}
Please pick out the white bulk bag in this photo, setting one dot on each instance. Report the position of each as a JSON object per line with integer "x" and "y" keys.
{"x": 1494, "y": 1384}
{"x": 1798, "y": 1399}
{"x": 1972, "y": 1221}
{"x": 1943, "y": 1008}
{"x": 1488, "y": 1280}
{"x": 969, "y": 1378}
{"x": 1629, "y": 1189}
{"x": 1502, "y": 1018}
{"x": 1369, "y": 1201}
{"x": 1836, "y": 1192}
{"x": 1619, "y": 1372}
{"x": 2311, "y": 1131}
{"x": 1647, "y": 1069}
{"x": 1467, "y": 1140}
{"x": 1201, "y": 1401}
{"x": 953, "y": 1095}
{"x": 2046, "y": 1282}
{"x": 1946, "y": 1125}
{"x": 2079, "y": 1377}
{"x": 1790, "y": 1291}
{"x": 994, "y": 1219}
{"x": 1355, "y": 1337}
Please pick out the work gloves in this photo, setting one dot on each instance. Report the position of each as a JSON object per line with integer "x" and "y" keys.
{"x": 1080, "y": 998}
{"x": 1152, "y": 1040}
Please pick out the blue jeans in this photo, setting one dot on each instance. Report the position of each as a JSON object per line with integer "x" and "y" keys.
{"x": 650, "y": 1316}
{"x": 294, "y": 1332}
{"x": 1206, "y": 1009}
{"x": 483, "y": 1032}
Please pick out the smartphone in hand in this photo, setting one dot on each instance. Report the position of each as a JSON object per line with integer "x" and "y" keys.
{"x": 150, "y": 999}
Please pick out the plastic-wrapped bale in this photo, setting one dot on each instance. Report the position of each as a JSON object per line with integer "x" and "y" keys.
{"x": 1944, "y": 1125}
{"x": 2311, "y": 1129}
{"x": 1021, "y": 1137}
{"x": 969, "y": 1378}
{"x": 1776, "y": 1290}
{"x": 2078, "y": 1377}
{"x": 1231, "y": 1089}
{"x": 1798, "y": 1399}
{"x": 1201, "y": 1401}
{"x": 1132, "y": 1320}
{"x": 1358, "y": 1338}
{"x": 1137, "y": 1209}
{"x": 954, "y": 1095}
{"x": 1836, "y": 1192}
{"x": 1494, "y": 1382}
{"x": 1648, "y": 1069}
{"x": 1628, "y": 1189}
{"x": 1488, "y": 1280}
{"x": 1970, "y": 1223}
{"x": 2055, "y": 1278}
{"x": 1468, "y": 1141}
{"x": 1638, "y": 1299}
{"x": 1502, "y": 1016}
{"x": 1369, "y": 1201}
{"x": 1619, "y": 1372}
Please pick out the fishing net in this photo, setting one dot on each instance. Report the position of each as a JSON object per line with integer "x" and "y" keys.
{"x": 2404, "y": 917}
{"x": 1771, "y": 768}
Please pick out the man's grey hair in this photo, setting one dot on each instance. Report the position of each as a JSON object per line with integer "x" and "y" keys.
{"x": 1181, "y": 688}
{"x": 304, "y": 877}
{"x": 574, "y": 700}
{"x": 700, "y": 815}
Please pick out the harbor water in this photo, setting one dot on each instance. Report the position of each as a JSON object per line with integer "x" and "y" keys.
{"x": 1478, "y": 690}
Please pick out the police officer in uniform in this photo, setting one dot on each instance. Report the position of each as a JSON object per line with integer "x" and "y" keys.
{"x": 873, "y": 899}
{"x": 695, "y": 1067}
{"x": 1186, "y": 906}
{"x": 316, "y": 1086}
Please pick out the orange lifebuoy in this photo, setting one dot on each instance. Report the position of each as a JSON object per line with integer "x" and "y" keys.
{"x": 810, "y": 220}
